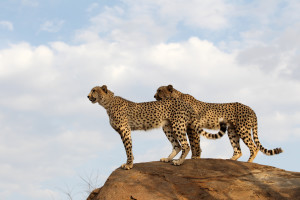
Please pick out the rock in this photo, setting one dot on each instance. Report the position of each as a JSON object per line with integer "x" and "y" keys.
{"x": 199, "y": 179}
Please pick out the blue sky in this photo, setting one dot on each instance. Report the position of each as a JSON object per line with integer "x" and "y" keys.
{"x": 53, "y": 52}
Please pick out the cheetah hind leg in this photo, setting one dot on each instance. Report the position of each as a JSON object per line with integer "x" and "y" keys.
{"x": 173, "y": 140}
{"x": 253, "y": 154}
{"x": 235, "y": 143}
{"x": 247, "y": 139}
{"x": 195, "y": 143}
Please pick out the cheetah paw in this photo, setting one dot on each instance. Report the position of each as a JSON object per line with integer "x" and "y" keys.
{"x": 165, "y": 160}
{"x": 195, "y": 157}
{"x": 126, "y": 166}
{"x": 177, "y": 162}
{"x": 236, "y": 156}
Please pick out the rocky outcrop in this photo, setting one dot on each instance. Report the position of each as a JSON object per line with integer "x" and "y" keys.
{"x": 199, "y": 179}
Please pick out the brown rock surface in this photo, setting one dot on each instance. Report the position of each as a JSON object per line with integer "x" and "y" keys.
{"x": 200, "y": 179}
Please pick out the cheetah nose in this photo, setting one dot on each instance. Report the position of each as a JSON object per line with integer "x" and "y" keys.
{"x": 88, "y": 96}
{"x": 155, "y": 96}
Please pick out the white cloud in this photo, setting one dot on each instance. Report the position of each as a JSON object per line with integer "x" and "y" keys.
{"x": 52, "y": 26}
{"x": 92, "y": 7}
{"x": 282, "y": 120}
{"x": 288, "y": 13}
{"x": 29, "y": 161}
{"x": 6, "y": 25}
{"x": 202, "y": 14}
{"x": 29, "y": 57}
{"x": 278, "y": 57}
{"x": 116, "y": 24}
{"x": 190, "y": 54}
{"x": 138, "y": 23}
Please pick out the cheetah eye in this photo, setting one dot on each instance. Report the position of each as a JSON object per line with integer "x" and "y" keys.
{"x": 158, "y": 90}
{"x": 93, "y": 90}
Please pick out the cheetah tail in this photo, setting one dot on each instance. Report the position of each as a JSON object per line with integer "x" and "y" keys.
{"x": 196, "y": 127}
{"x": 259, "y": 145}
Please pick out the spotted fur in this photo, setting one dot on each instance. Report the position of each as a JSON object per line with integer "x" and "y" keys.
{"x": 240, "y": 120}
{"x": 174, "y": 115}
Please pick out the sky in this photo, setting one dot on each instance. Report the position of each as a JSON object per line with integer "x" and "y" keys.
{"x": 55, "y": 144}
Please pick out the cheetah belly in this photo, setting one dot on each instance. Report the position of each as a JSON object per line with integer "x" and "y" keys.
{"x": 147, "y": 124}
{"x": 211, "y": 123}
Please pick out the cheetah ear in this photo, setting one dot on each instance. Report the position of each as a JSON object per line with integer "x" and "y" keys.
{"x": 170, "y": 88}
{"x": 104, "y": 88}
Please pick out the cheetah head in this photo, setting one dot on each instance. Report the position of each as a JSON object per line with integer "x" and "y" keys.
{"x": 97, "y": 94}
{"x": 164, "y": 92}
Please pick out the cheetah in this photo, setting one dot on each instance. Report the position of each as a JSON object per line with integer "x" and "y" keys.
{"x": 126, "y": 116}
{"x": 240, "y": 120}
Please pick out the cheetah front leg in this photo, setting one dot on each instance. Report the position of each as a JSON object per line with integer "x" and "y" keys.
{"x": 125, "y": 134}
{"x": 173, "y": 140}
